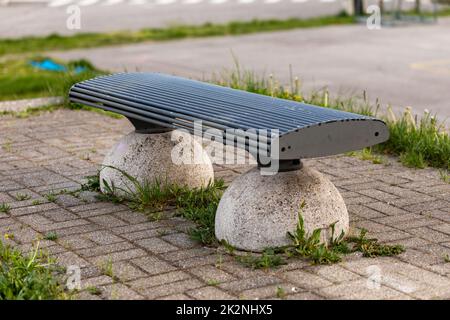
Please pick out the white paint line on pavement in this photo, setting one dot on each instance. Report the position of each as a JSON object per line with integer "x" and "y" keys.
{"x": 217, "y": 1}
{"x": 299, "y": 1}
{"x": 111, "y": 2}
{"x": 246, "y": 1}
{"x": 137, "y": 2}
{"x": 59, "y": 3}
{"x": 191, "y": 1}
{"x": 164, "y": 2}
{"x": 86, "y": 3}
{"x": 271, "y": 1}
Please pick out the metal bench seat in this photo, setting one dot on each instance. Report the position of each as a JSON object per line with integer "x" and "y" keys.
{"x": 153, "y": 101}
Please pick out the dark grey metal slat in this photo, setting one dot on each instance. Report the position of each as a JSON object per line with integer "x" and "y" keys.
{"x": 293, "y": 115}
{"x": 262, "y": 100}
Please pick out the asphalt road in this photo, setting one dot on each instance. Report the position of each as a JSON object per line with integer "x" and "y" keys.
{"x": 404, "y": 66}
{"x": 111, "y": 15}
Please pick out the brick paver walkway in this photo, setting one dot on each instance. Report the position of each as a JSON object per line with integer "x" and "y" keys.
{"x": 156, "y": 260}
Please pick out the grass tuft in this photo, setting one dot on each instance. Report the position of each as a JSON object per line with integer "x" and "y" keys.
{"x": 4, "y": 207}
{"x": 269, "y": 258}
{"x": 200, "y": 204}
{"x": 28, "y": 277}
{"x": 52, "y": 236}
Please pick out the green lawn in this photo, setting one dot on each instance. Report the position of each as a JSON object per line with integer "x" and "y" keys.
{"x": 88, "y": 40}
{"x": 20, "y": 80}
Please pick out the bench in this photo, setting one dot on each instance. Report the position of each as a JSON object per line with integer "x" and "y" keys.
{"x": 287, "y": 131}
{"x": 153, "y": 101}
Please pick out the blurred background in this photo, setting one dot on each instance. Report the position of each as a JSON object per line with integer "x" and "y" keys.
{"x": 332, "y": 46}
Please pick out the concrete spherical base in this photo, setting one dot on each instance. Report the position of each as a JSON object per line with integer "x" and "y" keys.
{"x": 150, "y": 157}
{"x": 257, "y": 211}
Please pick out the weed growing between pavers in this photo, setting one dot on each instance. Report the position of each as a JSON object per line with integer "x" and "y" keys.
{"x": 4, "y": 207}
{"x": 200, "y": 205}
{"x": 22, "y": 196}
{"x": 27, "y": 277}
{"x": 52, "y": 236}
{"x": 367, "y": 154}
{"x": 96, "y": 291}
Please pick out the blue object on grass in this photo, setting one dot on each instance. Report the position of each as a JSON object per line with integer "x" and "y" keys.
{"x": 50, "y": 65}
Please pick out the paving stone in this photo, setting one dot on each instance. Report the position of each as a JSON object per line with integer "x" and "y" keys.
{"x": 209, "y": 293}
{"x": 238, "y": 270}
{"x": 181, "y": 240}
{"x": 360, "y": 289}
{"x": 245, "y": 284}
{"x": 172, "y": 288}
{"x": 430, "y": 234}
{"x": 359, "y": 200}
{"x": 131, "y": 216}
{"x": 105, "y": 249}
{"x": 33, "y": 209}
{"x": 407, "y": 221}
{"x": 444, "y": 228}
{"x": 118, "y": 256}
{"x": 269, "y": 292}
{"x": 304, "y": 296}
{"x": 4, "y": 197}
{"x": 67, "y": 200}
{"x": 70, "y": 259}
{"x": 149, "y": 233}
{"x": 177, "y": 296}
{"x": 126, "y": 272}
{"x": 386, "y": 208}
{"x": 153, "y": 265}
{"x": 84, "y": 295}
{"x": 107, "y": 221}
{"x": 426, "y": 206}
{"x": 363, "y": 211}
{"x": 306, "y": 280}
{"x": 412, "y": 242}
{"x": 118, "y": 291}
{"x": 82, "y": 229}
{"x": 373, "y": 226}
{"x": 202, "y": 260}
{"x": 135, "y": 227}
{"x": 378, "y": 195}
{"x": 59, "y": 215}
{"x": 211, "y": 273}
{"x": 156, "y": 245}
{"x": 75, "y": 242}
{"x": 95, "y": 281}
{"x": 189, "y": 253}
{"x": 389, "y": 236}
{"x": 334, "y": 273}
{"x": 158, "y": 280}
